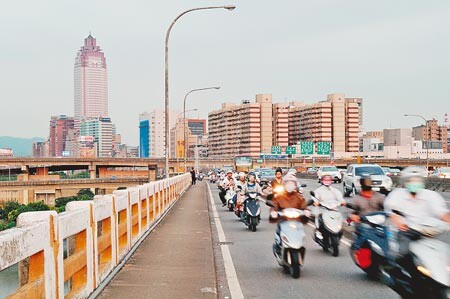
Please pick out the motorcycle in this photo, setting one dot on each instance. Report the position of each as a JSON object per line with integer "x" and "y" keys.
{"x": 230, "y": 198}
{"x": 330, "y": 228}
{"x": 288, "y": 248}
{"x": 251, "y": 214}
{"x": 370, "y": 247}
{"x": 427, "y": 275}
{"x": 424, "y": 273}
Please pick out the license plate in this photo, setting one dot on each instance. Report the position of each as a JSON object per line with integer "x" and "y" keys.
{"x": 376, "y": 189}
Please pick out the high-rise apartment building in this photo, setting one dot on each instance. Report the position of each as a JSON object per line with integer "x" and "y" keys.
{"x": 197, "y": 126}
{"x": 432, "y": 133}
{"x": 90, "y": 82}
{"x": 60, "y": 127}
{"x": 337, "y": 120}
{"x": 152, "y": 132}
{"x": 40, "y": 149}
{"x": 103, "y": 130}
{"x": 250, "y": 128}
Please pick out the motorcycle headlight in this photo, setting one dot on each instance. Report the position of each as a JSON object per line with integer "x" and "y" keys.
{"x": 278, "y": 189}
{"x": 291, "y": 214}
{"x": 424, "y": 271}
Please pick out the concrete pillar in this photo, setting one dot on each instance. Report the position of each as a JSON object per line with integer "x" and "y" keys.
{"x": 92, "y": 171}
{"x": 152, "y": 171}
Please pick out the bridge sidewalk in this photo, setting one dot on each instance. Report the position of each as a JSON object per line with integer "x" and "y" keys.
{"x": 176, "y": 260}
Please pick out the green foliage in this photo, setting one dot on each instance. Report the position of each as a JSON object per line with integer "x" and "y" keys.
{"x": 62, "y": 201}
{"x": 87, "y": 193}
{"x": 12, "y": 210}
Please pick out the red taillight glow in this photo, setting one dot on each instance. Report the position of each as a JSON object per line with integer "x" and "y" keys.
{"x": 363, "y": 257}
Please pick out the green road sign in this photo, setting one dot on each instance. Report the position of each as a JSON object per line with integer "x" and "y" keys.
{"x": 323, "y": 148}
{"x": 307, "y": 147}
{"x": 276, "y": 150}
{"x": 291, "y": 150}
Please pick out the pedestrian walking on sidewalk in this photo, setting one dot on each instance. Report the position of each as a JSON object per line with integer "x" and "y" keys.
{"x": 194, "y": 178}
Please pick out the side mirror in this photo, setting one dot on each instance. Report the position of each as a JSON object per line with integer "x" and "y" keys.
{"x": 303, "y": 185}
{"x": 312, "y": 193}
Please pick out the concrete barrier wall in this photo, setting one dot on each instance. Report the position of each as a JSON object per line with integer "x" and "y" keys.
{"x": 68, "y": 255}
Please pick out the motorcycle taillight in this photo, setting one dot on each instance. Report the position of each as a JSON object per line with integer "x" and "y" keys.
{"x": 363, "y": 257}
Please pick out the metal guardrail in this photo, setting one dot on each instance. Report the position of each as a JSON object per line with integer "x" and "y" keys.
{"x": 69, "y": 255}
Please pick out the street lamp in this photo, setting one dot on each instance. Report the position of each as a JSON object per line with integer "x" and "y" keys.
{"x": 166, "y": 91}
{"x": 184, "y": 117}
{"x": 426, "y": 128}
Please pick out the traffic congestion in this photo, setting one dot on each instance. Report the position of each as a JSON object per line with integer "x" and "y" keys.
{"x": 394, "y": 235}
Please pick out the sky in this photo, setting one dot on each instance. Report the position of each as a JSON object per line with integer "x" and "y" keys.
{"x": 393, "y": 54}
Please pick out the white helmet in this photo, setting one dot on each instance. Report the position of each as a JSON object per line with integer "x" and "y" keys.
{"x": 413, "y": 172}
{"x": 242, "y": 174}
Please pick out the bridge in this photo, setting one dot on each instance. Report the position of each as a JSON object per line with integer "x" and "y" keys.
{"x": 109, "y": 248}
{"x": 39, "y": 169}
{"x": 101, "y": 167}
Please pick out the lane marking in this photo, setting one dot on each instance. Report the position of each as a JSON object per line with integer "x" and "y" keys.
{"x": 230, "y": 271}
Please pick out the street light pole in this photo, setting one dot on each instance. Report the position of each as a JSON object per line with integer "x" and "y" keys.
{"x": 428, "y": 137}
{"x": 184, "y": 118}
{"x": 166, "y": 79}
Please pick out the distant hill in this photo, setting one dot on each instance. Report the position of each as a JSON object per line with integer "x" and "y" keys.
{"x": 22, "y": 147}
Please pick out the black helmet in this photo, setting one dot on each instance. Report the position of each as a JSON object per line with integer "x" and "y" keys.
{"x": 279, "y": 170}
{"x": 366, "y": 182}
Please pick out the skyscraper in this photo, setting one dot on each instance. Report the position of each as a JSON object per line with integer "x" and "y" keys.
{"x": 90, "y": 82}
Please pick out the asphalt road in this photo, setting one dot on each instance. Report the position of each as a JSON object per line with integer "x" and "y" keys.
{"x": 323, "y": 276}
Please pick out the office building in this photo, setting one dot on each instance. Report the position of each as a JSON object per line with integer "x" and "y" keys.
{"x": 103, "y": 130}
{"x": 60, "y": 127}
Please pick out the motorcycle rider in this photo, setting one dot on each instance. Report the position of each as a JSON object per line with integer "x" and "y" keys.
{"x": 289, "y": 199}
{"x": 227, "y": 183}
{"x": 416, "y": 204}
{"x": 366, "y": 202}
{"x": 327, "y": 195}
{"x": 277, "y": 181}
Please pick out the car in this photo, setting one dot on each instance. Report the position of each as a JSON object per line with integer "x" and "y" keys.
{"x": 350, "y": 181}
{"x": 266, "y": 174}
{"x": 311, "y": 171}
{"x": 387, "y": 171}
{"x": 441, "y": 172}
{"x": 331, "y": 170}
{"x": 394, "y": 171}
